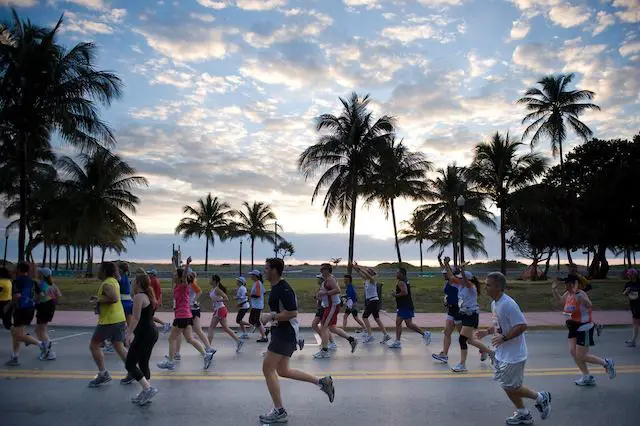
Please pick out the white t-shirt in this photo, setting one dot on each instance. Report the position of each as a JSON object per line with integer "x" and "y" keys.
{"x": 257, "y": 302}
{"x": 241, "y": 297}
{"x": 507, "y": 315}
{"x": 370, "y": 290}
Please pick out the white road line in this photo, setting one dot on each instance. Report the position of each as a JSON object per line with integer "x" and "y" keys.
{"x": 318, "y": 338}
{"x": 57, "y": 339}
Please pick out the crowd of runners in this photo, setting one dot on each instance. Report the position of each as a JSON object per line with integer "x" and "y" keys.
{"x": 126, "y": 305}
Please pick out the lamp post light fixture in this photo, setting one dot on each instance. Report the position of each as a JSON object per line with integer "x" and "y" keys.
{"x": 460, "y": 201}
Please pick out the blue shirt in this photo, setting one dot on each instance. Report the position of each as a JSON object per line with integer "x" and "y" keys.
{"x": 452, "y": 294}
{"x": 125, "y": 285}
{"x": 351, "y": 293}
{"x": 27, "y": 289}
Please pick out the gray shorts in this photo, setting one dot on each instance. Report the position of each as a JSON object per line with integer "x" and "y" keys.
{"x": 510, "y": 376}
{"x": 112, "y": 332}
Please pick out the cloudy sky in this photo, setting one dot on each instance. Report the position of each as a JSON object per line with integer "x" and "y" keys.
{"x": 221, "y": 94}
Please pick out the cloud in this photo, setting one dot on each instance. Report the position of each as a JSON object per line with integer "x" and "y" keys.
{"x": 195, "y": 44}
{"x": 89, "y": 4}
{"x": 19, "y": 3}
{"x": 478, "y": 66}
{"x": 85, "y": 26}
{"x": 410, "y": 33}
{"x": 213, "y": 4}
{"x": 369, "y": 4}
{"x": 314, "y": 23}
{"x": 160, "y": 112}
{"x": 630, "y": 48}
{"x": 568, "y": 16}
{"x": 520, "y": 28}
{"x": 630, "y": 12}
{"x": 604, "y": 21}
{"x": 260, "y": 4}
{"x": 204, "y": 17}
{"x": 536, "y": 57}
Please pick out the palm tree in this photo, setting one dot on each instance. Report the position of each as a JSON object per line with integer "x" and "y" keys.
{"x": 45, "y": 88}
{"x": 336, "y": 261}
{"x": 473, "y": 239}
{"x": 257, "y": 221}
{"x": 416, "y": 230}
{"x": 552, "y": 107}
{"x": 498, "y": 170}
{"x": 396, "y": 173}
{"x": 441, "y": 209}
{"x": 345, "y": 153}
{"x": 100, "y": 189}
{"x": 209, "y": 218}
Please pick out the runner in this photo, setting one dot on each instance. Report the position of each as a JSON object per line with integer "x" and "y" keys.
{"x": 24, "y": 290}
{"x": 157, "y": 291}
{"x": 242, "y": 303}
{"x": 142, "y": 337}
{"x": 371, "y": 303}
{"x": 577, "y": 308}
{"x": 405, "y": 309}
{"x": 351, "y": 298}
{"x": 125, "y": 292}
{"x": 468, "y": 289}
{"x": 330, "y": 294}
{"x": 6, "y": 307}
{"x": 111, "y": 321}
{"x": 282, "y": 303}
{"x": 45, "y": 308}
{"x": 183, "y": 322}
{"x": 511, "y": 352}
{"x": 257, "y": 304}
{"x": 632, "y": 291}
{"x": 218, "y": 295}
{"x": 194, "y": 294}
{"x": 317, "y": 320}
{"x": 452, "y": 317}
{"x": 584, "y": 285}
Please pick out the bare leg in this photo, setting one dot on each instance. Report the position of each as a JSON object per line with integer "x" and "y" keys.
{"x": 120, "y": 350}
{"x": 96, "y": 352}
{"x": 284, "y": 370}
{"x": 381, "y": 325}
{"x": 198, "y": 330}
{"x": 468, "y": 333}
{"x": 358, "y": 320}
{"x": 21, "y": 336}
{"x": 41, "y": 332}
{"x": 582, "y": 353}
{"x": 574, "y": 353}
{"x": 446, "y": 340}
{"x": 414, "y": 327}
{"x": 212, "y": 328}
{"x": 367, "y": 325}
{"x": 269, "y": 367}
{"x": 398, "y": 328}
{"x": 340, "y": 332}
{"x": 225, "y": 327}
{"x": 188, "y": 336}
{"x": 174, "y": 342}
{"x": 345, "y": 317}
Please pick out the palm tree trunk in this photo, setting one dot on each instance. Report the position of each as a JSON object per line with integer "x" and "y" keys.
{"x": 503, "y": 243}
{"x": 50, "y": 255}
{"x": 68, "y": 256}
{"x": 44, "y": 253}
{"x": 558, "y": 259}
{"x": 253, "y": 242}
{"x": 420, "y": 244}
{"x": 206, "y": 254}
{"x": 81, "y": 259}
{"x": 352, "y": 229}
{"x": 547, "y": 263}
{"x": 569, "y": 258}
{"x": 22, "y": 229}
{"x": 57, "y": 256}
{"x": 104, "y": 251}
{"x": 395, "y": 232}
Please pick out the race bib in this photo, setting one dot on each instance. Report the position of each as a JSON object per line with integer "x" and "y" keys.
{"x": 633, "y": 295}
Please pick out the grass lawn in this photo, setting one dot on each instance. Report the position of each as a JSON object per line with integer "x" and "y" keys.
{"x": 427, "y": 294}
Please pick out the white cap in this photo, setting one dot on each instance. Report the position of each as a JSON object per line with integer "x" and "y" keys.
{"x": 255, "y": 273}
{"x": 242, "y": 280}
{"x": 319, "y": 276}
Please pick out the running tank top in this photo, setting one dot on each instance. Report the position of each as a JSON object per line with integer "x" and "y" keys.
{"x": 125, "y": 287}
{"x": 370, "y": 291}
{"x": 576, "y": 310}
{"x": 218, "y": 302}
{"x": 181, "y": 299}
{"x": 404, "y": 302}
{"x": 328, "y": 301}
{"x": 468, "y": 300}
{"x": 145, "y": 325}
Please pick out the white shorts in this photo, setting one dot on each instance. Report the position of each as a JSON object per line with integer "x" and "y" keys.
{"x": 510, "y": 376}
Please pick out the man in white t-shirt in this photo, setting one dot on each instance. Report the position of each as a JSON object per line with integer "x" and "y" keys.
{"x": 257, "y": 304}
{"x": 511, "y": 352}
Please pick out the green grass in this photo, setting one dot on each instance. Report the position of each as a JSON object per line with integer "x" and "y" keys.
{"x": 427, "y": 294}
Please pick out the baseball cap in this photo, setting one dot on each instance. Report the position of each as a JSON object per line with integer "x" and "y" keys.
{"x": 319, "y": 276}
{"x": 242, "y": 280}
{"x": 152, "y": 272}
{"x": 46, "y": 272}
{"x": 467, "y": 274}
{"x": 255, "y": 273}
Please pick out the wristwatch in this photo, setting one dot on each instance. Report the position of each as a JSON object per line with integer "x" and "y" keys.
{"x": 504, "y": 338}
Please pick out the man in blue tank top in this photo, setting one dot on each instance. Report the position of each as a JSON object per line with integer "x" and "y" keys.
{"x": 405, "y": 309}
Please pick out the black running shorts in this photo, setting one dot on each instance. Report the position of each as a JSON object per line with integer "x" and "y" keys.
{"x": 371, "y": 307}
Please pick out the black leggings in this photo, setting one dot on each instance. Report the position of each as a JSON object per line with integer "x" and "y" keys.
{"x": 139, "y": 355}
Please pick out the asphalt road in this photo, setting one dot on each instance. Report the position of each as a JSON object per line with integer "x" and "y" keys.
{"x": 375, "y": 385}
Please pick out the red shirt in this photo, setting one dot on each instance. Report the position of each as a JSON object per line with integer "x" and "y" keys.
{"x": 157, "y": 291}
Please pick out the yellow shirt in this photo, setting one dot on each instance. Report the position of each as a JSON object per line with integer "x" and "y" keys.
{"x": 111, "y": 313}
{"x": 5, "y": 290}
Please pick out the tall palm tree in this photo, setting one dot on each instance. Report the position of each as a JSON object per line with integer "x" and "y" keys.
{"x": 209, "y": 218}
{"x": 441, "y": 208}
{"x": 473, "y": 239}
{"x": 46, "y": 89}
{"x": 498, "y": 170}
{"x": 396, "y": 173}
{"x": 100, "y": 187}
{"x": 552, "y": 107}
{"x": 256, "y": 221}
{"x": 417, "y": 230}
{"x": 344, "y": 153}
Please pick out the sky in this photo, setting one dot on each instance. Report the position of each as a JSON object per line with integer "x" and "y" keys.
{"x": 220, "y": 95}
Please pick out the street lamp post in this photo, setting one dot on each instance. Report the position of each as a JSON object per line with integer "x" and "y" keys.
{"x": 7, "y": 231}
{"x": 460, "y": 201}
{"x": 240, "y": 259}
{"x": 275, "y": 240}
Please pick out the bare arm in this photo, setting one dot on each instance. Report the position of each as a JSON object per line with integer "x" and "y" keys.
{"x": 138, "y": 301}
{"x": 109, "y": 295}
{"x": 582, "y": 296}
{"x": 556, "y": 295}
{"x": 222, "y": 294}
{"x": 403, "y": 288}
{"x": 334, "y": 288}
{"x": 286, "y": 315}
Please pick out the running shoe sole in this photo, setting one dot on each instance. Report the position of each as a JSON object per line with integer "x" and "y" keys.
{"x": 328, "y": 387}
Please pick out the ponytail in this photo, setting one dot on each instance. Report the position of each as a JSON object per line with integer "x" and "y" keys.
{"x": 222, "y": 287}
{"x": 475, "y": 281}
{"x": 143, "y": 280}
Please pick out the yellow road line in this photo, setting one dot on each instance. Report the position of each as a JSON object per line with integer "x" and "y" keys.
{"x": 258, "y": 377}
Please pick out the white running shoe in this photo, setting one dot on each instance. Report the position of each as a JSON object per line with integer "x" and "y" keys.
{"x": 322, "y": 354}
{"x": 51, "y": 356}
{"x": 239, "y": 345}
{"x": 630, "y": 344}
{"x": 166, "y": 327}
{"x": 396, "y": 345}
{"x": 586, "y": 381}
{"x": 426, "y": 337}
{"x": 460, "y": 368}
{"x": 167, "y": 364}
{"x": 332, "y": 346}
{"x": 544, "y": 405}
{"x": 177, "y": 357}
{"x": 207, "y": 359}
{"x": 244, "y": 336}
{"x": 385, "y": 339}
{"x": 367, "y": 338}
{"x": 440, "y": 357}
{"x": 610, "y": 366}
{"x": 520, "y": 419}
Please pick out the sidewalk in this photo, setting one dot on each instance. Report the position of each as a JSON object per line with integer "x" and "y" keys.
{"x": 426, "y": 320}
